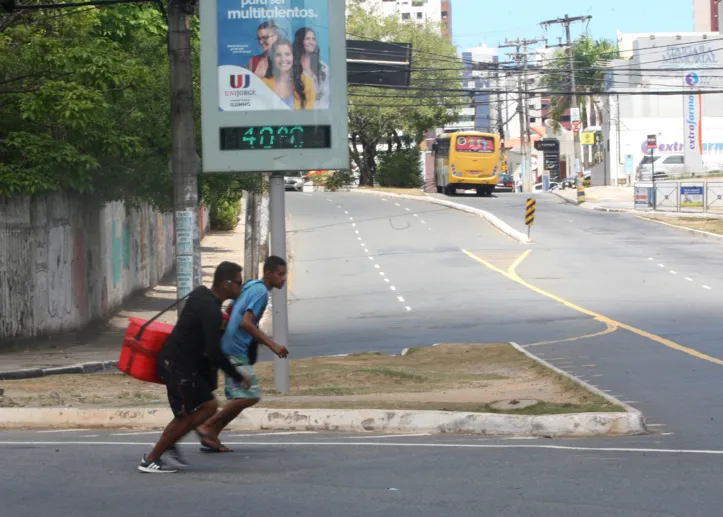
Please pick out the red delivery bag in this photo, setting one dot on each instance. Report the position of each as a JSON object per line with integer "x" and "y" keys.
{"x": 141, "y": 345}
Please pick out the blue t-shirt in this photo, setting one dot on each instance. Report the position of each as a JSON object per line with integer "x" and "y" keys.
{"x": 254, "y": 297}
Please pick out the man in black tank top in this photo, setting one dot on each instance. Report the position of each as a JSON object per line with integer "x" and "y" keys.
{"x": 188, "y": 361}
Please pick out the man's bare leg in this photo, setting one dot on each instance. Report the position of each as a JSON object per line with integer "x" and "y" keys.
{"x": 216, "y": 424}
{"x": 180, "y": 427}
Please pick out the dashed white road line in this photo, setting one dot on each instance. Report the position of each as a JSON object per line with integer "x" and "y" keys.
{"x": 688, "y": 279}
{"x": 661, "y": 265}
{"x": 387, "y": 280}
{"x": 371, "y": 258}
{"x": 415, "y": 215}
{"x": 397, "y": 204}
{"x": 424, "y": 222}
{"x": 393, "y": 288}
{"x": 377, "y": 266}
{"x": 673, "y": 272}
{"x": 400, "y": 298}
{"x": 408, "y": 308}
{"x": 407, "y": 209}
{"x": 707, "y": 287}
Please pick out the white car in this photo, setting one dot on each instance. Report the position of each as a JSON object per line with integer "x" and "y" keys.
{"x": 294, "y": 180}
{"x": 669, "y": 166}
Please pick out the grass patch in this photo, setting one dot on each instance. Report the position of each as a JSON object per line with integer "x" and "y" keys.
{"x": 449, "y": 377}
{"x": 711, "y": 225}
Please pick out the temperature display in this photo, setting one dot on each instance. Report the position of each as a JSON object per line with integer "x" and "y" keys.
{"x": 252, "y": 138}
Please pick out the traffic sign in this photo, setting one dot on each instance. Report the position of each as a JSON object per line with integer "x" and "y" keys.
{"x": 652, "y": 142}
{"x": 530, "y": 212}
{"x": 588, "y": 138}
{"x": 576, "y": 126}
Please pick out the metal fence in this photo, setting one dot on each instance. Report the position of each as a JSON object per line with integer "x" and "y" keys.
{"x": 679, "y": 196}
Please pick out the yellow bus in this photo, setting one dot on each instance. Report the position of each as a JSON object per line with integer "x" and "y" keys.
{"x": 467, "y": 160}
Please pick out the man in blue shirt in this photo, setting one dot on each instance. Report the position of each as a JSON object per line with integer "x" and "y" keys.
{"x": 239, "y": 343}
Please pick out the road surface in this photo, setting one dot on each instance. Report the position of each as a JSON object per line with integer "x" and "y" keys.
{"x": 91, "y": 473}
{"x": 628, "y": 305}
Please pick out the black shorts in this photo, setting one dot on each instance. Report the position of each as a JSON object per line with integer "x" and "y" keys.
{"x": 187, "y": 389}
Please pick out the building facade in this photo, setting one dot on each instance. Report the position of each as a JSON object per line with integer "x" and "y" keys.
{"x": 705, "y": 15}
{"x": 656, "y": 63}
{"x": 421, "y": 11}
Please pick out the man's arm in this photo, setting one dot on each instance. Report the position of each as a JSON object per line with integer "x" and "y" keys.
{"x": 212, "y": 338}
{"x": 249, "y": 326}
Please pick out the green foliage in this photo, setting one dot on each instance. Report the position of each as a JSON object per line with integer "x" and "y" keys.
{"x": 400, "y": 169}
{"x": 377, "y": 115}
{"x": 224, "y": 215}
{"x": 84, "y": 102}
{"x": 338, "y": 180}
{"x": 589, "y": 58}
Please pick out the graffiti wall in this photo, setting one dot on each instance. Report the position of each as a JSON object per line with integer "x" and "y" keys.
{"x": 65, "y": 261}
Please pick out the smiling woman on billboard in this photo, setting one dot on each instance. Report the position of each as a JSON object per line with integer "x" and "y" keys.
{"x": 273, "y": 55}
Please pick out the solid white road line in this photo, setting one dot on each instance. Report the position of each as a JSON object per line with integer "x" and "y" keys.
{"x": 62, "y": 431}
{"x": 139, "y": 433}
{"x": 445, "y": 445}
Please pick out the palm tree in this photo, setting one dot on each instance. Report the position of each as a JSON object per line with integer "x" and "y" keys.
{"x": 589, "y": 59}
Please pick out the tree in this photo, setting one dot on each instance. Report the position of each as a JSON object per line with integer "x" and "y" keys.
{"x": 376, "y": 115}
{"x": 589, "y": 58}
{"x": 83, "y": 95}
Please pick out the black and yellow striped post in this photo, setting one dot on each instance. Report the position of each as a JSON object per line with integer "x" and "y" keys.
{"x": 530, "y": 214}
{"x": 580, "y": 193}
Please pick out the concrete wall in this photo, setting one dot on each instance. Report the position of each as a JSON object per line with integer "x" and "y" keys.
{"x": 65, "y": 260}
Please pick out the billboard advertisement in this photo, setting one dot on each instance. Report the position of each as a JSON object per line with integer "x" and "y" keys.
{"x": 273, "y": 55}
{"x": 693, "y": 129}
{"x": 691, "y": 197}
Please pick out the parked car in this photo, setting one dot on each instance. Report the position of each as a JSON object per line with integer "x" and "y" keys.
{"x": 294, "y": 180}
{"x": 505, "y": 184}
{"x": 553, "y": 185}
{"x": 670, "y": 166}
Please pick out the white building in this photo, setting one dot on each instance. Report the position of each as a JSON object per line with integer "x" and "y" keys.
{"x": 658, "y": 63}
{"x": 437, "y": 11}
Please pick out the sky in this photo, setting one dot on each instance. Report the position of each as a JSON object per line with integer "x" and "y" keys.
{"x": 483, "y": 21}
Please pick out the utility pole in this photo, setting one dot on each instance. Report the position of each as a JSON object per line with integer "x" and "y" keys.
{"x": 185, "y": 165}
{"x": 525, "y": 140}
{"x": 566, "y": 21}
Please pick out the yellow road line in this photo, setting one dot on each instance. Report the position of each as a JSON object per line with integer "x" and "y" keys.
{"x": 512, "y": 275}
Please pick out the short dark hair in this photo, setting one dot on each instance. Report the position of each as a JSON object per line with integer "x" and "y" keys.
{"x": 225, "y": 271}
{"x": 273, "y": 263}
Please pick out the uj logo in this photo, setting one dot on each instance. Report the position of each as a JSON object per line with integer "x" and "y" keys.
{"x": 692, "y": 79}
{"x": 240, "y": 81}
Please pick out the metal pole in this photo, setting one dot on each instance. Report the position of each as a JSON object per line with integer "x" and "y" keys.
{"x": 655, "y": 196}
{"x": 278, "y": 296}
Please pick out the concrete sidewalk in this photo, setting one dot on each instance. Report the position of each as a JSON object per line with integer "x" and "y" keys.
{"x": 601, "y": 198}
{"x": 102, "y": 341}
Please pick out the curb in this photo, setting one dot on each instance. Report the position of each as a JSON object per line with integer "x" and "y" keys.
{"x": 577, "y": 425}
{"x": 435, "y": 422}
{"x": 640, "y": 419}
{"x": 487, "y": 216}
{"x": 691, "y": 230}
{"x": 583, "y": 205}
{"x": 93, "y": 367}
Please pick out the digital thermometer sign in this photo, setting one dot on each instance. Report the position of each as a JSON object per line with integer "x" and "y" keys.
{"x": 259, "y": 138}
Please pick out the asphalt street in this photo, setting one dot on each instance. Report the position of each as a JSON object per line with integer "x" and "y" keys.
{"x": 628, "y": 305}
{"x": 91, "y": 473}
